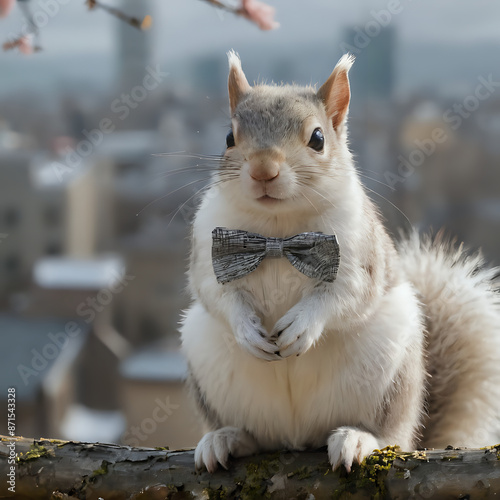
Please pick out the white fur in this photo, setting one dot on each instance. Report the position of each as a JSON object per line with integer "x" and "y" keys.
{"x": 345, "y": 62}
{"x": 348, "y": 445}
{"x": 297, "y": 402}
{"x": 283, "y": 361}
{"x": 215, "y": 447}
{"x": 461, "y": 300}
{"x": 233, "y": 60}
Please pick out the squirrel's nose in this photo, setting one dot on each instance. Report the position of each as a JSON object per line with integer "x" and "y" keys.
{"x": 265, "y": 165}
{"x": 264, "y": 172}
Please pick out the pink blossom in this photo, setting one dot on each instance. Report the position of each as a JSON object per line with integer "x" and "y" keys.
{"x": 26, "y": 44}
{"x": 260, "y": 13}
{"x": 23, "y": 43}
{"x": 6, "y": 7}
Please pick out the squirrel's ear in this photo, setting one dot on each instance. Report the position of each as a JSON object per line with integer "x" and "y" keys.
{"x": 335, "y": 92}
{"x": 237, "y": 82}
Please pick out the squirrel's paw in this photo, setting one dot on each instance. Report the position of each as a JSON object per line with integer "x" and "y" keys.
{"x": 348, "y": 444}
{"x": 253, "y": 337}
{"x": 215, "y": 447}
{"x": 295, "y": 333}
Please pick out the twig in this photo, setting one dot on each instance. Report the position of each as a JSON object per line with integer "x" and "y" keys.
{"x": 254, "y": 10}
{"x": 223, "y": 6}
{"x": 22, "y": 43}
{"x": 132, "y": 21}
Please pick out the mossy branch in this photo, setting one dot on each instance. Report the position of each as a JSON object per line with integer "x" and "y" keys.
{"x": 55, "y": 469}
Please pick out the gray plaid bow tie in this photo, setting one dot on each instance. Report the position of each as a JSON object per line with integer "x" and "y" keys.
{"x": 237, "y": 253}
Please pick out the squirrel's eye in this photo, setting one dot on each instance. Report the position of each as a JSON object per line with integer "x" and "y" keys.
{"x": 230, "y": 139}
{"x": 317, "y": 141}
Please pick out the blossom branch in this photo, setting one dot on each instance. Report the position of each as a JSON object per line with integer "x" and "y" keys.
{"x": 258, "y": 12}
{"x": 132, "y": 21}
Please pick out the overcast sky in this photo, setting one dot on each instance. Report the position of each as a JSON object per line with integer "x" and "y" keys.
{"x": 184, "y": 29}
{"x": 187, "y": 26}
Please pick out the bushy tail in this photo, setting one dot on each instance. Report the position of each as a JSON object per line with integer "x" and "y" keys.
{"x": 461, "y": 301}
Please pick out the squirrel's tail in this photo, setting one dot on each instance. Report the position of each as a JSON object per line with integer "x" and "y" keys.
{"x": 461, "y": 301}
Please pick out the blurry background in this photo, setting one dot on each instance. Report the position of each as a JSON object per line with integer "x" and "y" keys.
{"x": 94, "y": 227}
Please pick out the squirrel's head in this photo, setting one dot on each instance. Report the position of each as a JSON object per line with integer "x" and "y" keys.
{"x": 287, "y": 143}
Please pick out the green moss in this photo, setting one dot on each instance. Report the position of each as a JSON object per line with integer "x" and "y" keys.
{"x": 58, "y": 495}
{"x": 254, "y": 485}
{"x": 163, "y": 491}
{"x": 220, "y": 493}
{"x": 101, "y": 471}
{"x": 303, "y": 472}
{"x": 374, "y": 468}
{"x": 489, "y": 447}
{"x": 496, "y": 446}
{"x": 80, "y": 490}
{"x": 370, "y": 475}
{"x": 162, "y": 448}
{"x": 35, "y": 451}
{"x": 400, "y": 474}
{"x": 59, "y": 442}
{"x": 171, "y": 489}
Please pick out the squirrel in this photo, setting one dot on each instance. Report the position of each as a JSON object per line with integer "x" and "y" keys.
{"x": 402, "y": 348}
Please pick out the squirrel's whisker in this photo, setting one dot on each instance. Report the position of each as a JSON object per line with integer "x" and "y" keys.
{"x": 156, "y": 200}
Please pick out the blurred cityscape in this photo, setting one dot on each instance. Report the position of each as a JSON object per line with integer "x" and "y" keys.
{"x": 94, "y": 217}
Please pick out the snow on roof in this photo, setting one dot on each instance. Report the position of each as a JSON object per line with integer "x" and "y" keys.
{"x": 155, "y": 365}
{"x": 77, "y": 274}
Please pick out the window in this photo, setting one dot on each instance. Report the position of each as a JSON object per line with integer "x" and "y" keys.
{"x": 11, "y": 217}
{"x": 51, "y": 216}
{"x": 53, "y": 249}
{"x": 12, "y": 264}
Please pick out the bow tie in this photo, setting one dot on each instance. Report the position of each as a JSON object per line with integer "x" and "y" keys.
{"x": 237, "y": 253}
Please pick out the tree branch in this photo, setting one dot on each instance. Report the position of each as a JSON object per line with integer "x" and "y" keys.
{"x": 141, "y": 24}
{"x": 71, "y": 470}
{"x": 223, "y": 6}
{"x": 254, "y": 10}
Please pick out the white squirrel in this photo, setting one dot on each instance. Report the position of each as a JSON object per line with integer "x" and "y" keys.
{"x": 402, "y": 348}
